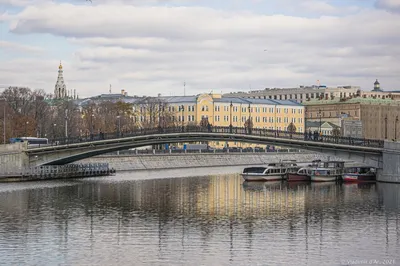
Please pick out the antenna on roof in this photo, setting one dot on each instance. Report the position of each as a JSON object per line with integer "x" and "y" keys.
{"x": 184, "y": 88}
{"x": 110, "y": 88}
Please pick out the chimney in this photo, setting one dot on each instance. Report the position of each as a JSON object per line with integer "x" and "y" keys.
{"x": 123, "y": 92}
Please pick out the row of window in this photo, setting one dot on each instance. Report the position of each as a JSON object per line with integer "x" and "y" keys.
{"x": 235, "y": 109}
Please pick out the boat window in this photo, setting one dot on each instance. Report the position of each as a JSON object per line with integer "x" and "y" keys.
{"x": 321, "y": 172}
{"x": 258, "y": 170}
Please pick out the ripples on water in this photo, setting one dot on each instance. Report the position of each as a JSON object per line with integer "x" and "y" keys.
{"x": 133, "y": 219}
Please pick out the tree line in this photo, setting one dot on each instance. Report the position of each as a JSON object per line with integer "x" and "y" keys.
{"x": 35, "y": 113}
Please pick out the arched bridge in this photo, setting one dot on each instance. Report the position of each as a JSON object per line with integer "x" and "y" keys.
{"x": 63, "y": 151}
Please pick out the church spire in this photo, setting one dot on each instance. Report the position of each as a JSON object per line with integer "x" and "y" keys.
{"x": 60, "y": 90}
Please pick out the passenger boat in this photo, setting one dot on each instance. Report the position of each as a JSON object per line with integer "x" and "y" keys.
{"x": 359, "y": 174}
{"x": 271, "y": 172}
{"x": 327, "y": 171}
{"x": 298, "y": 173}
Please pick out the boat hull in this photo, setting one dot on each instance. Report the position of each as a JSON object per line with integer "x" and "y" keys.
{"x": 297, "y": 177}
{"x": 358, "y": 178}
{"x": 254, "y": 177}
{"x": 324, "y": 178}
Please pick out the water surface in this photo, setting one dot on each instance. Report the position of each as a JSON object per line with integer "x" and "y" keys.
{"x": 203, "y": 216}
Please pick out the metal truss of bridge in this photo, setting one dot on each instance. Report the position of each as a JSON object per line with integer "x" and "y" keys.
{"x": 63, "y": 151}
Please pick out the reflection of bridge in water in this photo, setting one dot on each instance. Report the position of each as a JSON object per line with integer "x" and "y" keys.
{"x": 193, "y": 214}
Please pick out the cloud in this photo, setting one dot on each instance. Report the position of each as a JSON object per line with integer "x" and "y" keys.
{"x": 16, "y": 47}
{"x": 390, "y": 5}
{"x": 151, "y": 49}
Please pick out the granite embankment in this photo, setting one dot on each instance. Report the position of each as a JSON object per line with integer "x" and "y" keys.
{"x": 170, "y": 161}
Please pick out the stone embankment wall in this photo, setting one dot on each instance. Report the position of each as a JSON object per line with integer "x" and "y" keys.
{"x": 12, "y": 157}
{"x": 170, "y": 161}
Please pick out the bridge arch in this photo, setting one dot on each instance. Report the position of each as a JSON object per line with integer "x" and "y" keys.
{"x": 64, "y": 154}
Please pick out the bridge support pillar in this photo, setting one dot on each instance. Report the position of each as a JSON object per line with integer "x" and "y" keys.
{"x": 390, "y": 170}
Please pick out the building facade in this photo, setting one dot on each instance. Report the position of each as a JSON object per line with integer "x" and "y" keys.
{"x": 60, "y": 89}
{"x": 213, "y": 109}
{"x": 310, "y": 93}
{"x": 301, "y": 94}
{"x": 378, "y": 118}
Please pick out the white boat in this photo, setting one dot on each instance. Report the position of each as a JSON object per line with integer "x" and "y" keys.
{"x": 327, "y": 171}
{"x": 271, "y": 172}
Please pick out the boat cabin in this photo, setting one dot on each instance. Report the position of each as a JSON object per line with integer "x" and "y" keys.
{"x": 360, "y": 170}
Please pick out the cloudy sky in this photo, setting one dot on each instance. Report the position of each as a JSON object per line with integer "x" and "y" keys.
{"x": 154, "y": 46}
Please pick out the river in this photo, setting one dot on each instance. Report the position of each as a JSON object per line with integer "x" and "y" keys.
{"x": 199, "y": 216}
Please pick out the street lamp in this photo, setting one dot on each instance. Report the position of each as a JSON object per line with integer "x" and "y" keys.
{"x": 66, "y": 123}
{"x": 91, "y": 125}
{"x": 119, "y": 125}
{"x": 395, "y": 127}
{"x": 230, "y": 125}
{"x": 249, "y": 124}
{"x": 159, "y": 115}
{"x": 54, "y": 131}
{"x": 26, "y": 125}
{"x": 4, "y": 120}
{"x": 320, "y": 121}
{"x": 386, "y": 127}
{"x": 182, "y": 118}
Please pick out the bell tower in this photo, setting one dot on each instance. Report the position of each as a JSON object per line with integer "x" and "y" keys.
{"x": 60, "y": 89}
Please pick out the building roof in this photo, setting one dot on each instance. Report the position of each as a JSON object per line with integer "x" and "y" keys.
{"x": 317, "y": 124}
{"x": 360, "y": 100}
{"x": 188, "y": 99}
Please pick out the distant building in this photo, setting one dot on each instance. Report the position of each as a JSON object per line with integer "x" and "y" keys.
{"x": 60, "y": 89}
{"x": 310, "y": 93}
{"x": 351, "y": 128}
{"x": 214, "y": 109}
{"x": 377, "y": 115}
{"x": 301, "y": 94}
{"x": 377, "y": 86}
{"x": 326, "y": 128}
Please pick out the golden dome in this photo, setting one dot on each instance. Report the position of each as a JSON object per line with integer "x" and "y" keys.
{"x": 60, "y": 67}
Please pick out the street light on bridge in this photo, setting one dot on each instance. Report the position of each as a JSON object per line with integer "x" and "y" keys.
{"x": 386, "y": 127}
{"x": 230, "y": 125}
{"x": 182, "y": 117}
{"x": 4, "y": 120}
{"x": 320, "y": 121}
{"x": 395, "y": 127}
{"x": 119, "y": 125}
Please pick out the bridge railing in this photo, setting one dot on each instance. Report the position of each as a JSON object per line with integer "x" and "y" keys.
{"x": 226, "y": 130}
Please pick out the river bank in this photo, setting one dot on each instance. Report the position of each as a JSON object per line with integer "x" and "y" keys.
{"x": 173, "y": 161}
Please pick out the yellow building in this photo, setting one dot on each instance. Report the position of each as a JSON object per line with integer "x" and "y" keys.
{"x": 223, "y": 111}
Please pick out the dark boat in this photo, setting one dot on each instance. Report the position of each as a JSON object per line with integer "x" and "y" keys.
{"x": 359, "y": 174}
{"x": 295, "y": 174}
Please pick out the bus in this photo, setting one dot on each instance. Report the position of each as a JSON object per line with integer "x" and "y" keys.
{"x": 31, "y": 141}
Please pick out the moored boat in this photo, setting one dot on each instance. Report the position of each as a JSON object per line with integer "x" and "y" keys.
{"x": 327, "y": 171}
{"x": 359, "y": 174}
{"x": 302, "y": 174}
{"x": 298, "y": 173}
{"x": 271, "y": 172}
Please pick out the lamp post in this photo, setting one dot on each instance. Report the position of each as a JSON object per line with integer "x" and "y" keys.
{"x": 230, "y": 125}
{"x": 395, "y": 127}
{"x": 119, "y": 125}
{"x": 54, "y": 131}
{"x": 91, "y": 124}
{"x": 320, "y": 121}
{"x": 4, "y": 120}
{"x": 249, "y": 125}
{"x": 66, "y": 123}
{"x": 386, "y": 127}
{"x": 26, "y": 125}
{"x": 182, "y": 109}
{"x": 159, "y": 115}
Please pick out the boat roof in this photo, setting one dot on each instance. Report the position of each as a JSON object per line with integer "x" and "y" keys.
{"x": 360, "y": 166}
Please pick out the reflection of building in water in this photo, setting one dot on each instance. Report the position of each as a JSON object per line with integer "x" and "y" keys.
{"x": 226, "y": 197}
